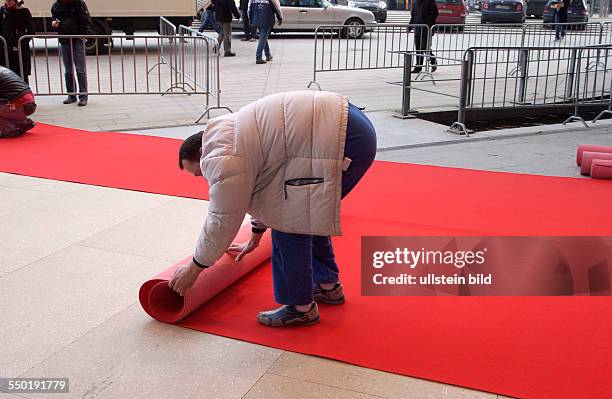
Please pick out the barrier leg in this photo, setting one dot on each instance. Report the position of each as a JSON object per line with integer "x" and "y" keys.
{"x": 406, "y": 83}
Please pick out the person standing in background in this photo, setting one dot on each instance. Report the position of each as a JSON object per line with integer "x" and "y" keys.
{"x": 15, "y": 22}
{"x": 225, "y": 9}
{"x": 249, "y": 31}
{"x": 560, "y": 17}
{"x": 424, "y": 12}
{"x": 71, "y": 17}
{"x": 261, "y": 14}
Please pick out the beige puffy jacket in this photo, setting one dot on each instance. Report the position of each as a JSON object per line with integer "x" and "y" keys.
{"x": 281, "y": 160}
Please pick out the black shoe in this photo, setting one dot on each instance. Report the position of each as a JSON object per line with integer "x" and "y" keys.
{"x": 260, "y": 61}
{"x": 417, "y": 70}
{"x": 229, "y": 54}
{"x": 82, "y": 102}
{"x": 269, "y": 58}
{"x": 334, "y": 296}
{"x": 70, "y": 100}
{"x": 434, "y": 68}
{"x": 288, "y": 315}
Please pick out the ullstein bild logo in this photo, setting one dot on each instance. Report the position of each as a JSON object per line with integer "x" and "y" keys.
{"x": 486, "y": 266}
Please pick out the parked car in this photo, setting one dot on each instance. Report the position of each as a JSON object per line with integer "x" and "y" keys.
{"x": 307, "y": 15}
{"x": 503, "y": 11}
{"x": 451, "y": 12}
{"x": 376, "y": 7}
{"x": 577, "y": 12}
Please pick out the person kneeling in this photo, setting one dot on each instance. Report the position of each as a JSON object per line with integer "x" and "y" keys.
{"x": 16, "y": 104}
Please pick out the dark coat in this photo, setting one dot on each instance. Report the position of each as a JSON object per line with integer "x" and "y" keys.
{"x": 225, "y": 9}
{"x": 73, "y": 16}
{"x": 262, "y": 13}
{"x": 424, "y": 12}
{"x": 15, "y": 23}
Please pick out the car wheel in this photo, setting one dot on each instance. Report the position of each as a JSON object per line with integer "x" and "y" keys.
{"x": 99, "y": 46}
{"x": 354, "y": 30}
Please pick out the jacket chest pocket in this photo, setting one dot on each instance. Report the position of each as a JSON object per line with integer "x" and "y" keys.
{"x": 307, "y": 181}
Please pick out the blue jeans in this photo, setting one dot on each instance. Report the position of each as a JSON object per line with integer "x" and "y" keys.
{"x": 210, "y": 17}
{"x": 262, "y": 45}
{"x": 301, "y": 261}
{"x": 73, "y": 57}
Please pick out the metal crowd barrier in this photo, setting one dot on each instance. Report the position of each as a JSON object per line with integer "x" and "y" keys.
{"x": 200, "y": 66}
{"x": 128, "y": 67}
{"x": 167, "y": 30}
{"x": 378, "y": 48}
{"x": 545, "y": 78}
{"x": 606, "y": 33}
{"x": 450, "y": 41}
{"x": 5, "y": 60}
{"x": 593, "y": 81}
{"x": 336, "y": 51}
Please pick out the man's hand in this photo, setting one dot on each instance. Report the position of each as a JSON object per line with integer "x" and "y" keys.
{"x": 239, "y": 250}
{"x": 55, "y": 24}
{"x": 183, "y": 278}
{"x": 280, "y": 22}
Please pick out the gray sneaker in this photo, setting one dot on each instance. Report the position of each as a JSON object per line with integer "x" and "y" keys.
{"x": 334, "y": 296}
{"x": 288, "y": 315}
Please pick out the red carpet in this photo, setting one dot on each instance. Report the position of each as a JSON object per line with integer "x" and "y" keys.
{"x": 535, "y": 347}
{"x": 128, "y": 161}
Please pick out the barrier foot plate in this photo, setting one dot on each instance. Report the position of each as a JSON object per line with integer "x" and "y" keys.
{"x": 460, "y": 128}
{"x": 575, "y": 118}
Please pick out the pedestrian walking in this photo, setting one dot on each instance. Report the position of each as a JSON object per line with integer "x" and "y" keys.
{"x": 225, "y": 10}
{"x": 209, "y": 17}
{"x": 262, "y": 15}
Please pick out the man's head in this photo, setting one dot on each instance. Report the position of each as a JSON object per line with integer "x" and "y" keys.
{"x": 190, "y": 153}
{"x": 10, "y": 3}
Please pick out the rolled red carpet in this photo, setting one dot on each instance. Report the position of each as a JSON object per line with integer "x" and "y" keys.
{"x": 601, "y": 169}
{"x": 587, "y": 160}
{"x": 592, "y": 148}
{"x": 162, "y": 303}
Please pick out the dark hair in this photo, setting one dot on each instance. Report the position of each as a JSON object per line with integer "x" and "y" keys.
{"x": 190, "y": 149}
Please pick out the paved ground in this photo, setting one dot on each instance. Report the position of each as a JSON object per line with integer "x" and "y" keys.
{"x": 73, "y": 259}
{"x": 74, "y": 256}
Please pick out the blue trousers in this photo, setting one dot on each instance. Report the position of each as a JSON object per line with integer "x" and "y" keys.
{"x": 262, "y": 45}
{"x": 300, "y": 261}
{"x": 73, "y": 57}
{"x": 210, "y": 17}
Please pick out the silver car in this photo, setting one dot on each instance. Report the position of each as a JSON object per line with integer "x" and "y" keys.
{"x": 307, "y": 15}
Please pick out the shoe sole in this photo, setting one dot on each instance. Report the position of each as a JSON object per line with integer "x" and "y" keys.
{"x": 307, "y": 323}
{"x": 330, "y": 301}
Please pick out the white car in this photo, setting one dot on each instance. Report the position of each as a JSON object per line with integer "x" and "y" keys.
{"x": 307, "y": 15}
